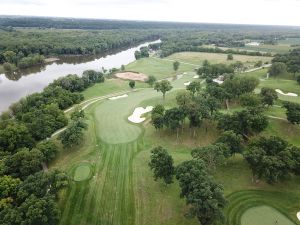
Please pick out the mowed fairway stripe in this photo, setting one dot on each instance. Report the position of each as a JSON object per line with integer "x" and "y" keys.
{"x": 108, "y": 197}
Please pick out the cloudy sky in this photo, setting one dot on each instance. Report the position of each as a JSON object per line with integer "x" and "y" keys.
{"x": 277, "y": 12}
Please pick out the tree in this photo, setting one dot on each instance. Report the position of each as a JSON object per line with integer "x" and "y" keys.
{"x": 237, "y": 86}
{"x": 184, "y": 98}
{"x": 44, "y": 121}
{"x": 245, "y": 122}
{"x": 122, "y": 68}
{"x": 233, "y": 141}
{"x": 194, "y": 87}
{"x": 137, "y": 55}
{"x": 49, "y": 150}
{"x": 277, "y": 68}
{"x": 157, "y": 116}
{"x": 162, "y": 164}
{"x": 42, "y": 183}
{"x": 203, "y": 195}
{"x": 36, "y": 211}
{"x": 14, "y": 135}
{"x": 269, "y": 158}
{"x": 163, "y": 86}
{"x": 213, "y": 155}
{"x": 298, "y": 79}
{"x": 151, "y": 80}
{"x": 77, "y": 114}
{"x": 173, "y": 118}
{"x": 176, "y": 65}
{"x": 268, "y": 95}
{"x": 23, "y": 163}
{"x": 229, "y": 57}
{"x": 250, "y": 100}
{"x": 258, "y": 64}
{"x": 8, "y": 187}
{"x": 73, "y": 134}
{"x": 132, "y": 84}
{"x": 292, "y": 112}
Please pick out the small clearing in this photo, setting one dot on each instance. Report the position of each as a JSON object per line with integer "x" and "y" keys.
{"x": 187, "y": 83}
{"x": 138, "y": 112}
{"x": 286, "y": 94}
{"x": 132, "y": 76}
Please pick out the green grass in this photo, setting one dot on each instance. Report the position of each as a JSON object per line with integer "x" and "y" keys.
{"x": 160, "y": 68}
{"x": 109, "y": 86}
{"x": 199, "y": 57}
{"x": 82, "y": 172}
{"x": 122, "y": 190}
{"x": 264, "y": 215}
{"x": 283, "y": 206}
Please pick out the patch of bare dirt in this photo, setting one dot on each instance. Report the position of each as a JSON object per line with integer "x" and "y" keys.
{"x": 132, "y": 76}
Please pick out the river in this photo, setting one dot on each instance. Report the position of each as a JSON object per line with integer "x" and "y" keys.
{"x": 14, "y": 87}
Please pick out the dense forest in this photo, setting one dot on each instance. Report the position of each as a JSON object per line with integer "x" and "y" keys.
{"x": 28, "y": 195}
{"x": 25, "y": 47}
{"x": 26, "y": 41}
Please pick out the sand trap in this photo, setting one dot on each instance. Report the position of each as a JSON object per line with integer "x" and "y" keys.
{"x": 179, "y": 76}
{"x": 196, "y": 76}
{"x": 286, "y": 94}
{"x": 187, "y": 83}
{"x": 118, "y": 97}
{"x": 218, "y": 81}
{"x": 298, "y": 215}
{"x": 132, "y": 76}
{"x": 254, "y": 43}
{"x": 136, "y": 115}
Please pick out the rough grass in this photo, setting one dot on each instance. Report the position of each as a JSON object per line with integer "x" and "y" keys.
{"x": 264, "y": 215}
{"x": 160, "y": 68}
{"x": 199, "y": 57}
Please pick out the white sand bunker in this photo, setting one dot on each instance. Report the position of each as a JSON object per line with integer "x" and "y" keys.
{"x": 179, "y": 76}
{"x": 298, "y": 215}
{"x": 187, "y": 83}
{"x": 132, "y": 76}
{"x": 196, "y": 76}
{"x": 286, "y": 94}
{"x": 138, "y": 112}
{"x": 219, "y": 80}
{"x": 117, "y": 97}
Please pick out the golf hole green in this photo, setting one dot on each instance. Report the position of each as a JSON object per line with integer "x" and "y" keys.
{"x": 82, "y": 172}
{"x": 264, "y": 215}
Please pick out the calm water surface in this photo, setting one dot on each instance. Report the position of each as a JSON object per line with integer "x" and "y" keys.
{"x": 15, "y": 86}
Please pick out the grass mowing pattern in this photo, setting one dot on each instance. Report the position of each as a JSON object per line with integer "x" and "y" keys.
{"x": 108, "y": 197}
{"x": 82, "y": 172}
{"x": 264, "y": 215}
{"x": 241, "y": 201}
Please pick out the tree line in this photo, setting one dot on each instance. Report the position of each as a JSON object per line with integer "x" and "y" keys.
{"x": 28, "y": 192}
{"x": 23, "y": 48}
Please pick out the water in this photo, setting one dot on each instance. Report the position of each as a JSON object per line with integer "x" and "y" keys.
{"x": 15, "y": 86}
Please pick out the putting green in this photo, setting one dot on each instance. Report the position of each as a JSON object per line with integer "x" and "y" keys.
{"x": 82, "y": 172}
{"x": 264, "y": 215}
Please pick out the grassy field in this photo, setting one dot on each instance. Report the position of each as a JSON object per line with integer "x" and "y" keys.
{"x": 199, "y": 57}
{"x": 120, "y": 188}
{"x": 160, "y": 68}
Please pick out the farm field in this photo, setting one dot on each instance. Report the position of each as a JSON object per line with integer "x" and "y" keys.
{"x": 121, "y": 189}
{"x": 199, "y": 57}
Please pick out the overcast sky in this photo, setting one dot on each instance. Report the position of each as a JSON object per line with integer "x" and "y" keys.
{"x": 277, "y": 12}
